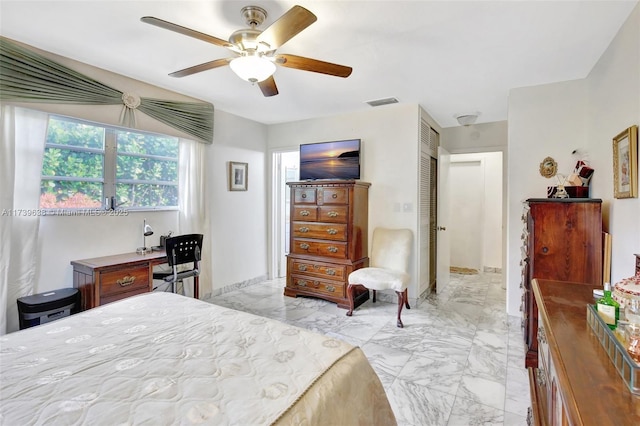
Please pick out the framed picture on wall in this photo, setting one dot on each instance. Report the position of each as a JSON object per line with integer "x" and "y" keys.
{"x": 625, "y": 163}
{"x": 238, "y": 174}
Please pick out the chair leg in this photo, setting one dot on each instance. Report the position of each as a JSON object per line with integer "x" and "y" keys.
{"x": 374, "y": 296}
{"x": 350, "y": 290}
{"x": 401, "y": 302}
{"x": 406, "y": 299}
{"x": 196, "y": 287}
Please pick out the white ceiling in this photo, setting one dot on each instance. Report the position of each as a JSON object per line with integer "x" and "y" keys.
{"x": 451, "y": 57}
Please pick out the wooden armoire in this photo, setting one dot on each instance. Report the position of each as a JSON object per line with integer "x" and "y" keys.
{"x": 562, "y": 240}
{"x": 329, "y": 238}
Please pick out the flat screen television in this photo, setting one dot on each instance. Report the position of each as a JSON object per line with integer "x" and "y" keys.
{"x": 330, "y": 160}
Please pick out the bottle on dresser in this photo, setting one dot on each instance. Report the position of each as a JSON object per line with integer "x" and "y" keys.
{"x": 608, "y": 308}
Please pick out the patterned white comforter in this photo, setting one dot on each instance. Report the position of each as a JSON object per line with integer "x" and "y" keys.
{"x": 161, "y": 358}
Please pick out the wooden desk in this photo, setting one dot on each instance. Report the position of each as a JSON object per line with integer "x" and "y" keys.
{"x": 575, "y": 382}
{"x": 109, "y": 278}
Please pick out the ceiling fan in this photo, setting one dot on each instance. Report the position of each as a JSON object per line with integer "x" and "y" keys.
{"x": 255, "y": 50}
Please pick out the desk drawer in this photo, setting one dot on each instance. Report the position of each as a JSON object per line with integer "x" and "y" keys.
{"x": 124, "y": 280}
{"x": 120, "y": 296}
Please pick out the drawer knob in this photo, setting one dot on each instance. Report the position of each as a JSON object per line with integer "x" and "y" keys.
{"x": 332, "y": 214}
{"x": 304, "y": 229}
{"x": 304, "y": 246}
{"x": 545, "y": 250}
{"x": 334, "y": 195}
{"x": 305, "y": 213}
{"x": 126, "y": 281}
{"x": 331, "y": 288}
{"x": 331, "y": 271}
{"x": 304, "y": 195}
{"x": 302, "y": 268}
{"x": 332, "y": 231}
{"x": 302, "y": 283}
{"x": 332, "y": 249}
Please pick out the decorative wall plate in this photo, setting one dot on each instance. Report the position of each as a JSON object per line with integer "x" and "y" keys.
{"x": 548, "y": 167}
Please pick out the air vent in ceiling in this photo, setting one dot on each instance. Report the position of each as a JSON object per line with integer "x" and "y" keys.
{"x": 385, "y": 101}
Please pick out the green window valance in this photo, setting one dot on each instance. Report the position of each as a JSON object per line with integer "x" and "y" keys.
{"x": 26, "y": 76}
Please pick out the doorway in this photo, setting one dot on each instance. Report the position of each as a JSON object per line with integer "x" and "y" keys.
{"x": 286, "y": 169}
{"x": 475, "y": 221}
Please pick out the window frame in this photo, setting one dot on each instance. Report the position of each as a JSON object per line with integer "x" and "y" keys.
{"x": 110, "y": 155}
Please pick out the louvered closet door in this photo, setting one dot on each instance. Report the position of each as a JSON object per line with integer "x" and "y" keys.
{"x": 429, "y": 139}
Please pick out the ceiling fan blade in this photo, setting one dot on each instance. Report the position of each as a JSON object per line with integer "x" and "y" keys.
{"x": 202, "y": 67}
{"x": 268, "y": 87}
{"x": 288, "y": 25}
{"x": 186, "y": 31}
{"x": 313, "y": 65}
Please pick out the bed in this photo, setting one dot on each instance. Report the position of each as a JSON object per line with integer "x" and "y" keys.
{"x": 161, "y": 358}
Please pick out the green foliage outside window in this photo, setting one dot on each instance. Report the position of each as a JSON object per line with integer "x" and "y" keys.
{"x": 74, "y": 174}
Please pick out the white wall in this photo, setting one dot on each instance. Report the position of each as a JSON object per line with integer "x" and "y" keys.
{"x": 544, "y": 121}
{"x": 466, "y": 194}
{"x": 389, "y": 159}
{"x": 484, "y": 137}
{"x": 238, "y": 218}
{"x": 553, "y": 120}
{"x": 613, "y": 94}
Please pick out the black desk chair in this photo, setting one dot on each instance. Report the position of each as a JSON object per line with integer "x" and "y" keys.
{"x": 182, "y": 249}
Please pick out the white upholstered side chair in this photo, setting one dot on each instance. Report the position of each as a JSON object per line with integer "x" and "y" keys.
{"x": 388, "y": 268}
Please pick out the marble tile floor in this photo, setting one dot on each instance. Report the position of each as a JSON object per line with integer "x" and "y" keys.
{"x": 458, "y": 361}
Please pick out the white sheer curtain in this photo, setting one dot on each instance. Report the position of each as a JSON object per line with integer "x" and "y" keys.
{"x": 194, "y": 206}
{"x": 22, "y": 141}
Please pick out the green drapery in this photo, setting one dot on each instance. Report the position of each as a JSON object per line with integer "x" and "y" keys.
{"x": 26, "y": 76}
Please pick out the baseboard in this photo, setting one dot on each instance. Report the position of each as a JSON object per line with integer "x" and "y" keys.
{"x": 236, "y": 286}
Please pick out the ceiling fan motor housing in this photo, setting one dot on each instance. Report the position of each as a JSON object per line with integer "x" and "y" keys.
{"x": 253, "y": 15}
{"x": 245, "y": 39}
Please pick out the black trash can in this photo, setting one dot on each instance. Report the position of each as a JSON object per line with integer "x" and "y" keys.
{"x": 46, "y": 307}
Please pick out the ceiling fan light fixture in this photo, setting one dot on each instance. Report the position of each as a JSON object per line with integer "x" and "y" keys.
{"x": 253, "y": 69}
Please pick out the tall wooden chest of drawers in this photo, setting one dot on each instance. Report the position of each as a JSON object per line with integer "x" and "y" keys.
{"x": 562, "y": 240}
{"x": 328, "y": 238}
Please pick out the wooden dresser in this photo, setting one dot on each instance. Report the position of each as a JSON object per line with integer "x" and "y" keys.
{"x": 562, "y": 240}
{"x": 328, "y": 239}
{"x": 109, "y": 278}
{"x": 575, "y": 382}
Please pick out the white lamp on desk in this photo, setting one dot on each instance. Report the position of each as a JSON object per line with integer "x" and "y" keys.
{"x": 146, "y": 231}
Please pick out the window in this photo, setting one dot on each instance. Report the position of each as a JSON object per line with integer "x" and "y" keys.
{"x": 87, "y": 165}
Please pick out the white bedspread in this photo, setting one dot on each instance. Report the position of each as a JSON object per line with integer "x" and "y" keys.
{"x": 161, "y": 358}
